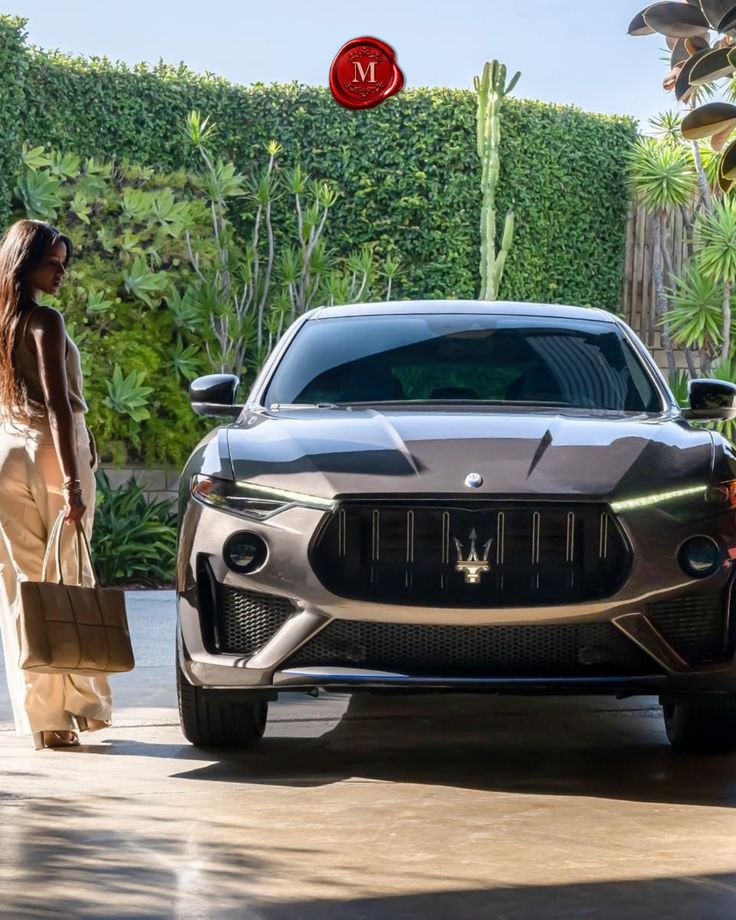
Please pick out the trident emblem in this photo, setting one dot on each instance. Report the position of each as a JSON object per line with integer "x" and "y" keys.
{"x": 473, "y": 567}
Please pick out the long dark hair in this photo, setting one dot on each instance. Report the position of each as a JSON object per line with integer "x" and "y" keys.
{"x": 22, "y": 250}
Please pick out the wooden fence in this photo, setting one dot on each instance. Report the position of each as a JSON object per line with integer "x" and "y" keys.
{"x": 639, "y": 296}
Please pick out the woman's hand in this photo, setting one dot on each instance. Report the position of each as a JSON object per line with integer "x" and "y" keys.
{"x": 74, "y": 507}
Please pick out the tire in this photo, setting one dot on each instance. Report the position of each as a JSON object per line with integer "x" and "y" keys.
{"x": 216, "y": 723}
{"x": 707, "y": 727}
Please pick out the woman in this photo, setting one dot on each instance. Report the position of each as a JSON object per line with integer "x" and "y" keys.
{"x": 47, "y": 464}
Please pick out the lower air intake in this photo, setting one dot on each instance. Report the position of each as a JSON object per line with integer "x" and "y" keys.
{"x": 245, "y": 621}
{"x": 569, "y": 650}
{"x": 695, "y": 626}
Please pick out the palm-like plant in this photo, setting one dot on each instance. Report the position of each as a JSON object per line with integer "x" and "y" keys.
{"x": 715, "y": 238}
{"x": 667, "y": 126}
{"x": 662, "y": 173}
{"x": 663, "y": 177}
{"x": 695, "y": 316}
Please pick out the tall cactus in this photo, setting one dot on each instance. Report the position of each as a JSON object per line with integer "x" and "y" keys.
{"x": 492, "y": 89}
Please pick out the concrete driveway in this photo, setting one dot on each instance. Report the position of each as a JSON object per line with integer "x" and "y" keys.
{"x": 375, "y": 807}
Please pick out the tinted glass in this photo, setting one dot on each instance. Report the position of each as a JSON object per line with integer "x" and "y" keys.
{"x": 463, "y": 358}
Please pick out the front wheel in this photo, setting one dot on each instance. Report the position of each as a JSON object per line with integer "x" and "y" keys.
{"x": 209, "y": 722}
{"x": 703, "y": 727}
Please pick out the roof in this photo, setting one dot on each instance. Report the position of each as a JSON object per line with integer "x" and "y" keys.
{"x": 475, "y": 307}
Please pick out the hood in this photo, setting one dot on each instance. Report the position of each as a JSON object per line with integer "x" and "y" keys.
{"x": 335, "y": 452}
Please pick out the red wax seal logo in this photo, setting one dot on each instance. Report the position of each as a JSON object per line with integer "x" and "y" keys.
{"x": 364, "y": 73}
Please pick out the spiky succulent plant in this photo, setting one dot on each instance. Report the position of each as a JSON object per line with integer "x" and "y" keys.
{"x": 701, "y": 36}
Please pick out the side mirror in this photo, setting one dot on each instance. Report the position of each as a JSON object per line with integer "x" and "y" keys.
{"x": 214, "y": 394}
{"x": 711, "y": 401}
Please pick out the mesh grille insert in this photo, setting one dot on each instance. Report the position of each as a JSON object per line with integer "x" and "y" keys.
{"x": 246, "y": 621}
{"x": 429, "y": 650}
{"x": 695, "y": 625}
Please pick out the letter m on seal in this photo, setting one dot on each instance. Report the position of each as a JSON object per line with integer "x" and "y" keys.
{"x": 364, "y": 74}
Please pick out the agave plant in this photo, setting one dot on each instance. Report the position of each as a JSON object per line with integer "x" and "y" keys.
{"x": 695, "y": 316}
{"x": 664, "y": 178}
{"x": 699, "y": 60}
{"x": 715, "y": 236}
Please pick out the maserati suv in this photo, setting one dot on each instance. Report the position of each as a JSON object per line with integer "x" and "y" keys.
{"x": 458, "y": 496}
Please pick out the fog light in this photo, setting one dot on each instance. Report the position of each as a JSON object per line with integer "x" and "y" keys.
{"x": 245, "y": 552}
{"x": 700, "y": 557}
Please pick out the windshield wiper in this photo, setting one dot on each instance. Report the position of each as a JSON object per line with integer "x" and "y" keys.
{"x": 458, "y": 402}
{"x": 325, "y": 405}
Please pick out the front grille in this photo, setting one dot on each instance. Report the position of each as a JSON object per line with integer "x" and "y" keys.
{"x": 694, "y": 625}
{"x": 567, "y": 650}
{"x": 245, "y": 621}
{"x": 471, "y": 553}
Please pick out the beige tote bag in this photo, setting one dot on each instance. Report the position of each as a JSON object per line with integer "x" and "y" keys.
{"x": 70, "y": 629}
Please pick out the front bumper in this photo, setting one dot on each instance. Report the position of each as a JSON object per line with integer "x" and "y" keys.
{"x": 655, "y": 578}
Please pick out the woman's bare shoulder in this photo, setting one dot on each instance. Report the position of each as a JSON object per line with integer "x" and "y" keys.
{"x": 45, "y": 325}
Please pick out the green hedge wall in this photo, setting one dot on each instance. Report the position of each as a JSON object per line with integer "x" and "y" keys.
{"x": 14, "y": 67}
{"x": 408, "y": 170}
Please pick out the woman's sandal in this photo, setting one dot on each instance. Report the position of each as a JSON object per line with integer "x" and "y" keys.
{"x": 55, "y": 739}
{"x": 85, "y": 724}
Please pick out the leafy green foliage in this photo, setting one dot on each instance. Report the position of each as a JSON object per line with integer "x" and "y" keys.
{"x": 408, "y": 169}
{"x": 678, "y": 385}
{"x": 14, "y": 63}
{"x": 133, "y": 539}
{"x": 245, "y": 291}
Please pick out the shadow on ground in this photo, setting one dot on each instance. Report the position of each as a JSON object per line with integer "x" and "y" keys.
{"x": 546, "y": 746}
{"x": 713, "y": 897}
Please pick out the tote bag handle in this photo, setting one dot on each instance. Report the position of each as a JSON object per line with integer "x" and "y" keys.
{"x": 54, "y": 542}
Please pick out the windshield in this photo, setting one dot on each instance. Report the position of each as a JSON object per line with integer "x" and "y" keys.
{"x": 463, "y": 359}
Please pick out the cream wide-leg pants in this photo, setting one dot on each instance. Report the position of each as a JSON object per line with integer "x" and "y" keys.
{"x": 31, "y": 498}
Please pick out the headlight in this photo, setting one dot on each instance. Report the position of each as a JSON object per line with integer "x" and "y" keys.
{"x": 724, "y": 494}
{"x": 657, "y": 498}
{"x": 251, "y": 500}
{"x": 686, "y": 505}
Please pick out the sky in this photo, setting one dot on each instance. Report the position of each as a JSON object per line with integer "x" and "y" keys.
{"x": 569, "y": 51}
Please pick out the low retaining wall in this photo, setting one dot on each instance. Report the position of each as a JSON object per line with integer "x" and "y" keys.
{"x": 158, "y": 484}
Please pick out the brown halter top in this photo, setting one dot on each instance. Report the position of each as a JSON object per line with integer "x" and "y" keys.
{"x": 26, "y": 366}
